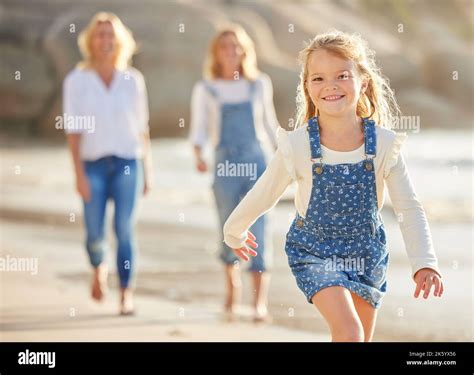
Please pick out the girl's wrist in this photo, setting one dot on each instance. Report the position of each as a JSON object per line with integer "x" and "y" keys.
{"x": 428, "y": 269}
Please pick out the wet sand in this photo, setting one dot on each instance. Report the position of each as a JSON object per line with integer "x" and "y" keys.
{"x": 178, "y": 268}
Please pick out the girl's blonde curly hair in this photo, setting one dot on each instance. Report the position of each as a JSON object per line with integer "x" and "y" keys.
{"x": 378, "y": 102}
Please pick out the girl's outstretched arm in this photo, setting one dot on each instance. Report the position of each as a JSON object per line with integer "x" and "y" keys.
{"x": 263, "y": 196}
{"x": 414, "y": 227}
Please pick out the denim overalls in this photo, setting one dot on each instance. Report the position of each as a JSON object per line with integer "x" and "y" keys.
{"x": 239, "y": 162}
{"x": 341, "y": 241}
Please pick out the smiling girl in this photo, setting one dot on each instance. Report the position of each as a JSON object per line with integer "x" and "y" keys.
{"x": 341, "y": 156}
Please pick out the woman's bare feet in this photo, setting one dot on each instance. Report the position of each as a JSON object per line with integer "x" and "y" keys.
{"x": 261, "y": 282}
{"x": 262, "y": 315}
{"x": 99, "y": 282}
{"x": 230, "y": 313}
{"x": 126, "y": 302}
{"x": 233, "y": 292}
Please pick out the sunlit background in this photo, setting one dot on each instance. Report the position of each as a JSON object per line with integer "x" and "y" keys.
{"x": 424, "y": 47}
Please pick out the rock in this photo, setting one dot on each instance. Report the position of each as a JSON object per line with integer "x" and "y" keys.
{"x": 36, "y": 39}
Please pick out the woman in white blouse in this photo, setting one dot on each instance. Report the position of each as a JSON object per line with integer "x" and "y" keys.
{"x": 233, "y": 106}
{"x": 105, "y": 104}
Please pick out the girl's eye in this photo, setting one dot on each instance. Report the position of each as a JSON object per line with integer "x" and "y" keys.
{"x": 317, "y": 79}
{"x": 344, "y": 76}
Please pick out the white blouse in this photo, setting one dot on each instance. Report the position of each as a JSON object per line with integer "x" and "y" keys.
{"x": 292, "y": 162}
{"x": 110, "y": 120}
{"x": 205, "y": 109}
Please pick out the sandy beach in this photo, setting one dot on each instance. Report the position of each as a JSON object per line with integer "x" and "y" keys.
{"x": 180, "y": 281}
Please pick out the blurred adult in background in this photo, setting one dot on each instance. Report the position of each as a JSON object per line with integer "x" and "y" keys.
{"x": 233, "y": 108}
{"x": 112, "y": 158}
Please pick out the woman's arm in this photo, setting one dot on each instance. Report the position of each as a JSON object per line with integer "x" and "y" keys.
{"x": 201, "y": 164}
{"x": 147, "y": 163}
{"x": 82, "y": 184}
{"x": 270, "y": 120}
{"x": 199, "y": 124}
{"x": 143, "y": 123}
{"x": 72, "y": 107}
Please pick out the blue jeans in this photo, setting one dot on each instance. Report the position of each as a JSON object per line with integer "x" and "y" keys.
{"x": 122, "y": 181}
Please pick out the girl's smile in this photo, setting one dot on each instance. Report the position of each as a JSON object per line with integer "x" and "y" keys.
{"x": 332, "y": 98}
{"x": 333, "y": 83}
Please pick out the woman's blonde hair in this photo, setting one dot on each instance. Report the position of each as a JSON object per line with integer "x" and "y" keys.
{"x": 125, "y": 43}
{"x": 378, "y": 102}
{"x": 248, "y": 68}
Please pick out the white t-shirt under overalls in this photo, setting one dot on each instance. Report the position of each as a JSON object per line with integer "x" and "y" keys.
{"x": 205, "y": 119}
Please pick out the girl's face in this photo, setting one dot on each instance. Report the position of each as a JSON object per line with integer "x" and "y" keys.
{"x": 229, "y": 52}
{"x": 103, "y": 41}
{"x": 333, "y": 83}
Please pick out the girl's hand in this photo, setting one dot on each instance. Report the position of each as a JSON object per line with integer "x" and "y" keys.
{"x": 425, "y": 279}
{"x": 243, "y": 251}
{"x": 201, "y": 165}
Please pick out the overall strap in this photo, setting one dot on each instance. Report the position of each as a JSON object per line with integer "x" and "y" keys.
{"x": 213, "y": 92}
{"x": 210, "y": 89}
{"x": 252, "y": 89}
{"x": 370, "y": 138}
{"x": 314, "y": 138}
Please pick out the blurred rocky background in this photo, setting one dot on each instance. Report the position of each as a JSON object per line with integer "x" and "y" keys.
{"x": 425, "y": 48}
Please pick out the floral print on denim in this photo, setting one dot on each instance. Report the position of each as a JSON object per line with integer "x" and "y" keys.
{"x": 342, "y": 227}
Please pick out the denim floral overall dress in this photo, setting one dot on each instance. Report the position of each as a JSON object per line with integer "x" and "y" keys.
{"x": 238, "y": 147}
{"x": 341, "y": 241}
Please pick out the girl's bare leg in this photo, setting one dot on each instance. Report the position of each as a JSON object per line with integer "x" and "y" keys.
{"x": 337, "y": 307}
{"x": 367, "y": 315}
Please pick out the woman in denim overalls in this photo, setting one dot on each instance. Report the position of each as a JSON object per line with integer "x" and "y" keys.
{"x": 239, "y": 156}
{"x": 238, "y": 146}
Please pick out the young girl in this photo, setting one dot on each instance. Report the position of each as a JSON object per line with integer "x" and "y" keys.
{"x": 341, "y": 158}
{"x": 234, "y": 107}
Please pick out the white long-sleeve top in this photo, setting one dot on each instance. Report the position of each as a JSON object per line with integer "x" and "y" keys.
{"x": 292, "y": 163}
{"x": 205, "y": 109}
{"x": 116, "y": 116}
